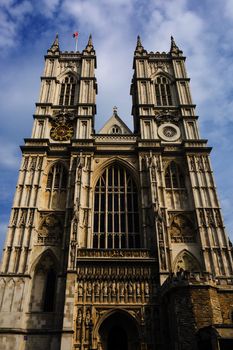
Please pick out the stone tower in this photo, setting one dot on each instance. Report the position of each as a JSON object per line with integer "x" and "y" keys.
{"x": 116, "y": 239}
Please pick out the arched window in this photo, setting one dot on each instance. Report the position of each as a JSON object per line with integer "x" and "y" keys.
{"x": 116, "y": 216}
{"x": 67, "y": 91}
{"x": 115, "y": 129}
{"x": 163, "y": 91}
{"x": 174, "y": 177}
{"x": 57, "y": 178}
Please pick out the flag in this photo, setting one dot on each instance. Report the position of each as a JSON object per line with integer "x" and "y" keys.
{"x": 75, "y": 35}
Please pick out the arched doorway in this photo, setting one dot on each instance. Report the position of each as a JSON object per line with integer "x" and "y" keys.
{"x": 119, "y": 331}
{"x": 117, "y": 339}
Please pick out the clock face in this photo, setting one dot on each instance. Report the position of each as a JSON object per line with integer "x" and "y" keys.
{"x": 62, "y": 132}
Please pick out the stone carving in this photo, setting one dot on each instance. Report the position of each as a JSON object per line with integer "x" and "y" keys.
{"x": 25, "y": 163}
{"x": 50, "y": 230}
{"x": 23, "y": 217}
{"x": 187, "y": 262}
{"x": 14, "y": 218}
{"x": 218, "y": 217}
{"x": 210, "y": 217}
{"x": 33, "y": 163}
{"x": 192, "y": 164}
{"x": 181, "y": 229}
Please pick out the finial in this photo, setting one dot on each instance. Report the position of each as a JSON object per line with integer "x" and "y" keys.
{"x": 174, "y": 48}
{"x": 139, "y": 46}
{"x": 55, "y": 45}
{"x": 114, "y": 110}
{"x": 89, "y": 46}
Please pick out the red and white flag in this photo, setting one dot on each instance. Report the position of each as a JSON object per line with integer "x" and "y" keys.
{"x": 75, "y": 36}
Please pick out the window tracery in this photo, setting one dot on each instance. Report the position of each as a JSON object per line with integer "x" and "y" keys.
{"x": 174, "y": 177}
{"x": 67, "y": 91}
{"x": 57, "y": 178}
{"x": 116, "y": 215}
{"x": 163, "y": 91}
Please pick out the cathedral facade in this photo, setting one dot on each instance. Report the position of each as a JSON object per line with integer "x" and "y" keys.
{"x": 116, "y": 239}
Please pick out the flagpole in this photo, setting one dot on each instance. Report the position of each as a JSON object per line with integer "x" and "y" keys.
{"x": 76, "y": 44}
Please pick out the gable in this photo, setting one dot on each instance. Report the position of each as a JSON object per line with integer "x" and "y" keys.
{"x": 115, "y": 126}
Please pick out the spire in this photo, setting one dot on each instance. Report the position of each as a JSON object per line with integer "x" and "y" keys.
{"x": 55, "y": 44}
{"x": 174, "y": 48}
{"x": 139, "y": 46}
{"x": 90, "y": 46}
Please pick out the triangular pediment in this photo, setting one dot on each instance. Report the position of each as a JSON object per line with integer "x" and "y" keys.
{"x": 115, "y": 126}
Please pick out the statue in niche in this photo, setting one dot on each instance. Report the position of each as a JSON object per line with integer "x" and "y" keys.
{"x": 97, "y": 288}
{"x": 138, "y": 289}
{"x": 122, "y": 289}
{"x": 105, "y": 289}
{"x": 89, "y": 289}
{"x": 147, "y": 289}
{"x": 80, "y": 289}
{"x": 113, "y": 286}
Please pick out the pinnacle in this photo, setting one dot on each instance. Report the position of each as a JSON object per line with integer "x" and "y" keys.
{"x": 139, "y": 46}
{"x": 55, "y": 45}
{"x": 174, "y": 48}
{"x": 90, "y": 46}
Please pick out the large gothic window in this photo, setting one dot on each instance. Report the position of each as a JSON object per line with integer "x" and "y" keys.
{"x": 67, "y": 91}
{"x": 174, "y": 177}
{"x": 57, "y": 178}
{"x": 163, "y": 92}
{"x": 116, "y": 216}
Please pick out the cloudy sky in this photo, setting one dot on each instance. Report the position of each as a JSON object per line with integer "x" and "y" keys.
{"x": 202, "y": 29}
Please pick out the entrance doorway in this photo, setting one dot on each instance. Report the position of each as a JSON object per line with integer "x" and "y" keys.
{"x": 117, "y": 339}
{"x": 119, "y": 331}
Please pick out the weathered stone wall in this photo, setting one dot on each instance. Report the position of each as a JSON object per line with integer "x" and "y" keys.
{"x": 226, "y": 304}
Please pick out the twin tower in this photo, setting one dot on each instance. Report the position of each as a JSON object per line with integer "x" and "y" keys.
{"x": 116, "y": 239}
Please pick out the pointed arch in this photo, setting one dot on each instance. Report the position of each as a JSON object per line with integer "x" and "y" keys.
{"x": 115, "y": 160}
{"x": 8, "y": 295}
{"x": 163, "y": 92}
{"x": 186, "y": 261}
{"x": 44, "y": 282}
{"x": 116, "y": 208}
{"x": 67, "y": 72}
{"x": 2, "y": 290}
{"x": 57, "y": 176}
{"x": 68, "y": 84}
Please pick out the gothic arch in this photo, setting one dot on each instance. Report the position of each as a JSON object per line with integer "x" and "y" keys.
{"x": 160, "y": 73}
{"x": 66, "y": 73}
{"x": 114, "y": 160}
{"x": 47, "y": 252}
{"x": 44, "y": 283}
{"x": 54, "y": 162}
{"x": 186, "y": 261}
{"x": 8, "y": 295}
{"x": 2, "y": 290}
{"x": 116, "y": 222}
{"x": 133, "y": 327}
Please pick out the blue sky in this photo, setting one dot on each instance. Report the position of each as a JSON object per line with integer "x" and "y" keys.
{"x": 202, "y": 29}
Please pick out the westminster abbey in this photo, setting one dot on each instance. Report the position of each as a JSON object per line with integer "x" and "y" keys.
{"x": 116, "y": 239}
